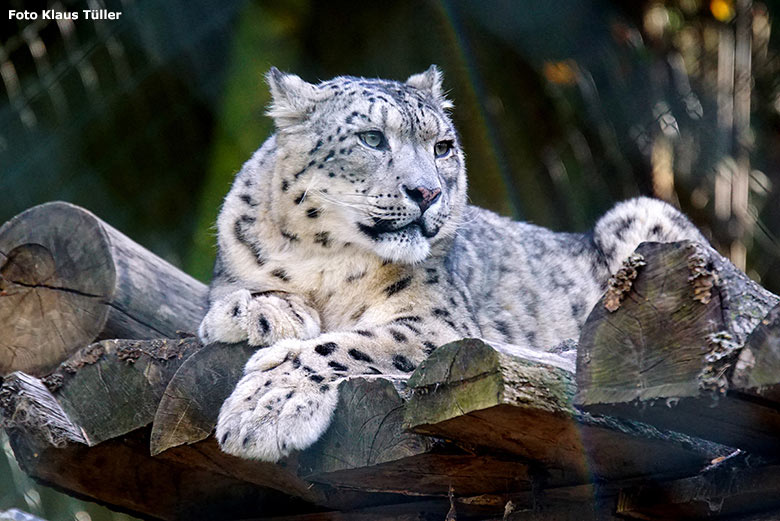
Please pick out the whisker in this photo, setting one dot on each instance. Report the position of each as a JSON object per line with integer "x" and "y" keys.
{"x": 363, "y": 207}
{"x": 360, "y": 195}
{"x": 306, "y": 192}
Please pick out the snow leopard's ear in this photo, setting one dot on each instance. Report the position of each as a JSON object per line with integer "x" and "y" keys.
{"x": 430, "y": 81}
{"x": 292, "y": 99}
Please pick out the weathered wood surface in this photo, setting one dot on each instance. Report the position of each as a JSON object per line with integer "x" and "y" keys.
{"x": 716, "y": 494}
{"x": 67, "y": 279}
{"x": 757, "y": 369}
{"x": 579, "y": 503}
{"x": 470, "y": 392}
{"x": 366, "y": 450}
{"x": 366, "y": 447}
{"x": 188, "y": 408}
{"x": 187, "y": 414}
{"x": 667, "y": 355}
{"x": 120, "y": 474}
{"x": 129, "y": 423}
{"x": 50, "y": 448}
{"x": 464, "y": 509}
{"x": 112, "y": 387}
{"x": 418, "y": 511}
{"x": 366, "y": 460}
{"x": 27, "y": 404}
{"x": 120, "y": 471}
{"x": 517, "y": 437}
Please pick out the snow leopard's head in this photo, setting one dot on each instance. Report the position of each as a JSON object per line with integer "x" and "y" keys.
{"x": 371, "y": 162}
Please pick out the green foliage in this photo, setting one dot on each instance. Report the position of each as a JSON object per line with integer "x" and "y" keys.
{"x": 263, "y": 36}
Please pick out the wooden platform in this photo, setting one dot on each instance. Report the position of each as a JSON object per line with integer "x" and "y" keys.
{"x": 671, "y": 414}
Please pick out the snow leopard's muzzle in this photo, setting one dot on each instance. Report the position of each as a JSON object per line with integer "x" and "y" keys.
{"x": 398, "y": 221}
{"x": 382, "y": 226}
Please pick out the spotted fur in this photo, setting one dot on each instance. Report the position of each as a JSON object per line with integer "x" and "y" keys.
{"x": 346, "y": 247}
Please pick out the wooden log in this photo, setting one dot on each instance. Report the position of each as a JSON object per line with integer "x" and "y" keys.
{"x": 572, "y": 512}
{"x": 120, "y": 472}
{"x": 757, "y": 370}
{"x": 281, "y": 477}
{"x": 366, "y": 447}
{"x": 579, "y": 503}
{"x": 667, "y": 354}
{"x": 592, "y": 509}
{"x": 716, "y": 494}
{"x": 416, "y": 511}
{"x": 27, "y": 406}
{"x": 365, "y": 432}
{"x": 365, "y": 458}
{"x": 50, "y": 448}
{"x": 187, "y": 411}
{"x": 67, "y": 278}
{"x": 112, "y": 387}
{"x": 469, "y": 392}
{"x": 130, "y": 377}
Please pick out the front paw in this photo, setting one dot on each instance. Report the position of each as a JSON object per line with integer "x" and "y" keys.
{"x": 261, "y": 319}
{"x": 271, "y": 318}
{"x": 274, "y": 412}
{"x": 226, "y": 319}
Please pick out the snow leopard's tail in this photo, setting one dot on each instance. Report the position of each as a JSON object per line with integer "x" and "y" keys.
{"x": 627, "y": 224}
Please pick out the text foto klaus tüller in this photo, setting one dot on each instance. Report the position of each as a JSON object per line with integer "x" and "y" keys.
{"x": 52, "y": 14}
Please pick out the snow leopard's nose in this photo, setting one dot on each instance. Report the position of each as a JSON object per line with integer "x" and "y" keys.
{"x": 424, "y": 197}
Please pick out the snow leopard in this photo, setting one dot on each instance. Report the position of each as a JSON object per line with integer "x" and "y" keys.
{"x": 346, "y": 247}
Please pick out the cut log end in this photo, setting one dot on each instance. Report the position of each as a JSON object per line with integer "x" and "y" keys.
{"x": 678, "y": 352}
{"x": 68, "y": 279}
{"x": 678, "y": 321}
{"x": 55, "y": 275}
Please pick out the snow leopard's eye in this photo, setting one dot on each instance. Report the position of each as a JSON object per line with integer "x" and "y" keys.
{"x": 442, "y": 149}
{"x": 373, "y": 139}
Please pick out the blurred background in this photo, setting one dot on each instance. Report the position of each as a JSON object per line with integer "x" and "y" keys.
{"x": 564, "y": 107}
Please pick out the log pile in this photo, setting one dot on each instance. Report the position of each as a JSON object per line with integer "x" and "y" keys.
{"x": 671, "y": 414}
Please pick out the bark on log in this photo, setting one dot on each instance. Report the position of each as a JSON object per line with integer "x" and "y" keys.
{"x": 667, "y": 355}
{"x": 757, "y": 370}
{"x": 112, "y": 387}
{"x": 67, "y": 279}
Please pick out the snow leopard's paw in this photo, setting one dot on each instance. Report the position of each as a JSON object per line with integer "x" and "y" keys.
{"x": 260, "y": 318}
{"x": 271, "y": 318}
{"x": 275, "y": 411}
{"x": 226, "y": 319}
